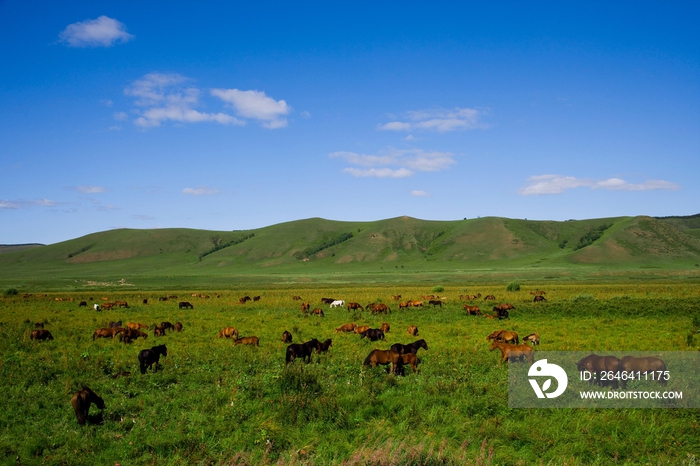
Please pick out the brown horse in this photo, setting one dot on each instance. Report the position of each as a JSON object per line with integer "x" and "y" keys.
{"x": 158, "y": 331}
{"x": 244, "y": 299}
{"x": 178, "y": 326}
{"x": 435, "y": 302}
{"x": 472, "y": 310}
{"x": 228, "y": 332}
{"x": 355, "y": 306}
{"x": 136, "y": 325}
{"x": 537, "y": 292}
{"x": 286, "y": 337}
{"x": 346, "y": 328}
{"x": 305, "y": 307}
{"x": 396, "y": 297}
{"x": 403, "y": 304}
{"x": 380, "y": 308}
{"x": 539, "y": 299}
{"x": 514, "y": 353}
{"x": 128, "y": 334}
{"x": 167, "y": 325}
{"x": 40, "y": 335}
{"x": 81, "y": 403}
{"x": 361, "y": 329}
{"x": 409, "y": 359}
{"x": 317, "y": 312}
{"x": 533, "y": 338}
{"x": 504, "y": 336}
{"x": 415, "y": 303}
{"x": 385, "y": 327}
{"x": 596, "y": 364}
{"x": 384, "y": 357}
{"x": 254, "y": 341}
{"x": 648, "y": 364}
{"x": 412, "y": 330}
{"x": 108, "y": 332}
{"x": 489, "y": 298}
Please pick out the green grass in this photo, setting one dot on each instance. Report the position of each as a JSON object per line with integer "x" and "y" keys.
{"x": 212, "y": 403}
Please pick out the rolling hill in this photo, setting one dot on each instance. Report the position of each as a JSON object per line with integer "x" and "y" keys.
{"x": 399, "y": 245}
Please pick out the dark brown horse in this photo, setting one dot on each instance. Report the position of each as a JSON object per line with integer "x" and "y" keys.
{"x": 644, "y": 365}
{"x": 126, "y": 335}
{"x": 178, "y": 326}
{"x": 355, "y": 306}
{"x": 286, "y": 336}
{"x": 81, "y": 403}
{"x": 409, "y": 359}
{"x": 597, "y": 364}
{"x": 109, "y": 332}
{"x": 40, "y": 335}
{"x": 303, "y": 350}
{"x": 185, "y": 305}
{"x": 158, "y": 331}
{"x": 435, "y": 302}
{"x": 373, "y": 334}
{"x": 384, "y": 357}
{"x": 411, "y": 347}
{"x": 150, "y": 357}
{"x": 167, "y": 325}
{"x": 324, "y": 346}
{"x": 317, "y": 312}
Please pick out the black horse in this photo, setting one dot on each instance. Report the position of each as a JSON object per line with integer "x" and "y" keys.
{"x": 149, "y": 357}
{"x": 502, "y": 313}
{"x": 302, "y": 350}
{"x": 81, "y": 403}
{"x": 373, "y": 334}
{"x": 410, "y": 348}
{"x": 185, "y": 305}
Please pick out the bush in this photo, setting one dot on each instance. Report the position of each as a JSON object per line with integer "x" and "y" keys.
{"x": 513, "y": 286}
{"x": 438, "y": 289}
{"x": 11, "y": 292}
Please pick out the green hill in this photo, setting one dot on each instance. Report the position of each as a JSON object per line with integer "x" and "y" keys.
{"x": 399, "y": 245}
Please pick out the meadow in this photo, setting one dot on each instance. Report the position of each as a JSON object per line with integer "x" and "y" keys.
{"x": 213, "y": 403}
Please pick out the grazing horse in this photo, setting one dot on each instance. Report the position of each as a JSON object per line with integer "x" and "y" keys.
{"x": 128, "y": 334}
{"x": 385, "y": 327}
{"x": 514, "y": 353}
{"x": 327, "y": 300}
{"x": 539, "y": 299}
{"x": 158, "y": 331}
{"x": 411, "y": 359}
{"x": 489, "y": 298}
{"x": 296, "y": 298}
{"x": 81, "y": 403}
{"x": 185, "y": 305}
{"x": 411, "y": 347}
{"x": 504, "y": 306}
{"x": 504, "y": 336}
{"x": 380, "y": 308}
{"x": 109, "y": 332}
{"x": 150, "y": 357}
{"x": 323, "y": 347}
{"x": 40, "y": 334}
{"x": 501, "y": 313}
{"x": 286, "y": 337}
{"x": 82, "y": 304}
{"x": 338, "y": 303}
{"x": 303, "y": 350}
{"x": 354, "y": 306}
{"x": 178, "y": 326}
{"x": 415, "y": 303}
{"x": 596, "y": 364}
{"x": 396, "y": 297}
{"x": 533, "y": 338}
{"x": 647, "y": 364}
{"x": 472, "y": 310}
{"x": 346, "y": 328}
{"x": 317, "y": 312}
{"x": 403, "y": 304}
{"x": 39, "y": 325}
{"x": 537, "y": 292}
{"x": 244, "y": 299}
{"x": 362, "y": 328}
{"x": 412, "y": 330}
{"x": 384, "y": 357}
{"x": 253, "y": 341}
{"x": 228, "y": 332}
{"x": 373, "y": 334}
{"x": 136, "y": 325}
{"x": 167, "y": 325}
{"x": 256, "y": 298}
{"x": 435, "y": 302}
{"x": 116, "y": 324}
{"x": 305, "y": 307}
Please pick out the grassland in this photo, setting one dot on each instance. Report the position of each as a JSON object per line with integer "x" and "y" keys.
{"x": 212, "y": 403}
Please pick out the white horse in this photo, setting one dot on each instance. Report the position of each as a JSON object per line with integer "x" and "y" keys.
{"x": 338, "y": 303}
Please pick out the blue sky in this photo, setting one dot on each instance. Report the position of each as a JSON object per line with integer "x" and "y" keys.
{"x": 239, "y": 115}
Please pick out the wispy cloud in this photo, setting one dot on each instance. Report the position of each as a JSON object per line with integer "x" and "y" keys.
{"x": 6, "y": 204}
{"x": 395, "y": 163}
{"x": 557, "y": 184}
{"x": 88, "y": 189}
{"x": 142, "y": 217}
{"x": 202, "y": 191}
{"x": 419, "y": 193}
{"x": 165, "y": 97}
{"x": 255, "y": 105}
{"x": 100, "y": 32}
{"x": 440, "y": 120}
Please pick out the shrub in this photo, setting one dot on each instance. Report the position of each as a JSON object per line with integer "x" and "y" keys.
{"x": 11, "y": 292}
{"x": 513, "y": 286}
{"x": 438, "y": 289}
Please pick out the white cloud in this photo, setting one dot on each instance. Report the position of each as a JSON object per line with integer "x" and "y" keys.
{"x": 100, "y": 32}
{"x": 90, "y": 189}
{"x": 166, "y": 98}
{"x": 21, "y": 204}
{"x": 557, "y": 184}
{"x": 383, "y": 164}
{"x": 120, "y": 116}
{"x": 419, "y": 193}
{"x": 255, "y": 105}
{"x": 202, "y": 191}
{"x": 440, "y": 120}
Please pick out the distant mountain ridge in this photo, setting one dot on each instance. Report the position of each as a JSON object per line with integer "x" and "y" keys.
{"x": 402, "y": 243}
